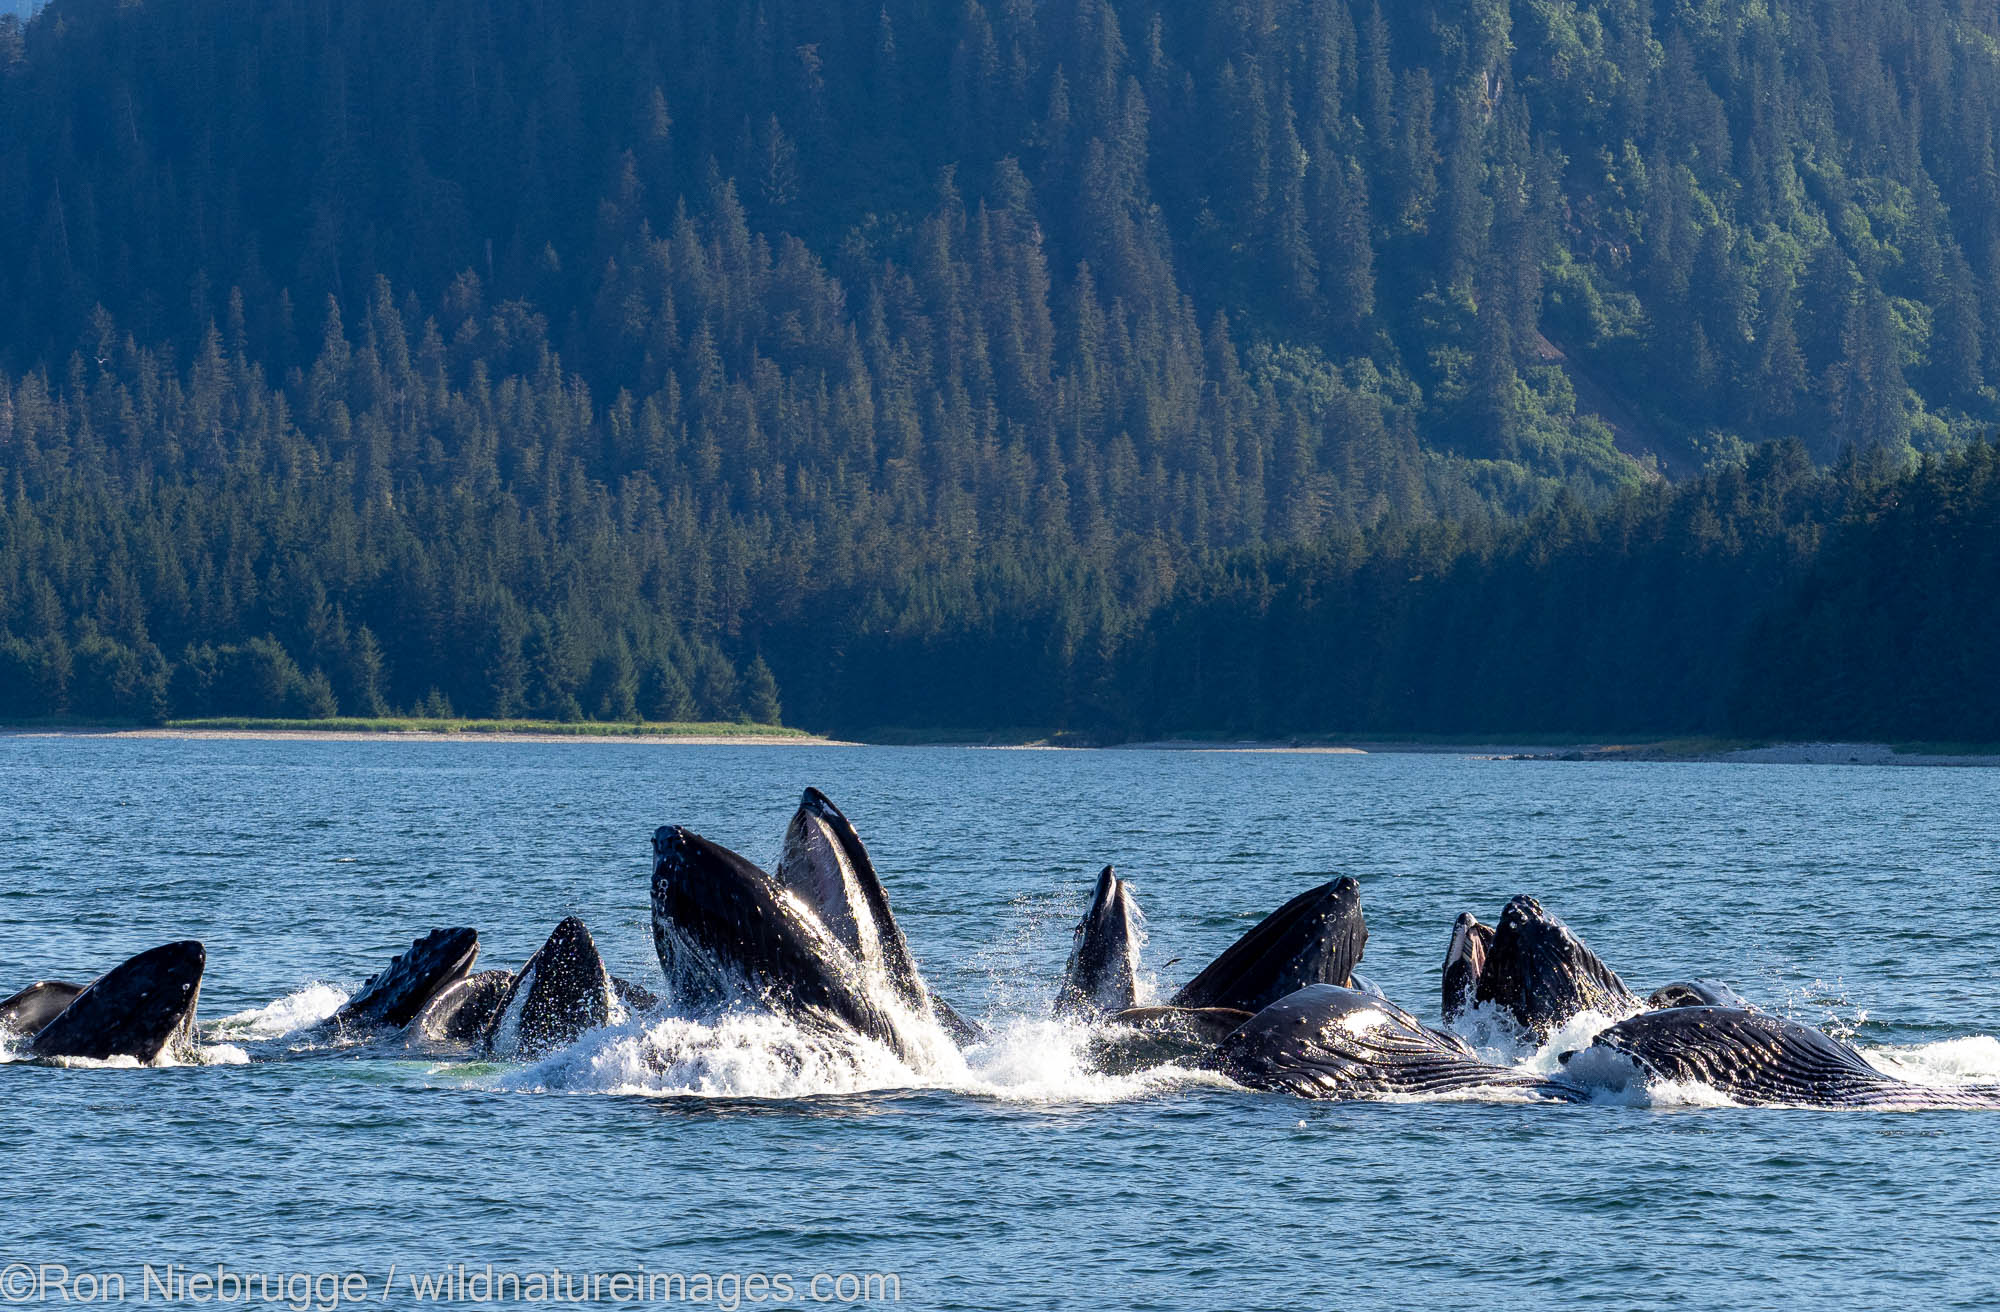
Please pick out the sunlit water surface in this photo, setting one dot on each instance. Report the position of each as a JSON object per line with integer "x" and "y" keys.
{"x": 1862, "y": 899}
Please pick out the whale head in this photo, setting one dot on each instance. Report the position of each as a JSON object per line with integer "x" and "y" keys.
{"x": 1103, "y": 970}
{"x": 1316, "y": 938}
{"x": 724, "y": 928}
{"x": 142, "y": 1008}
{"x": 562, "y": 991}
{"x": 1544, "y": 975}
{"x": 392, "y": 997}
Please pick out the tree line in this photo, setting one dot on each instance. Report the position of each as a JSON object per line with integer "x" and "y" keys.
{"x": 941, "y": 365}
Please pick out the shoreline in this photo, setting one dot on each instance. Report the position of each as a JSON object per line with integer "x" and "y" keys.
{"x": 1665, "y": 751}
{"x": 1791, "y": 753}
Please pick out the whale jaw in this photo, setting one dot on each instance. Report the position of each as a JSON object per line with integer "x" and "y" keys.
{"x": 392, "y": 997}
{"x": 1102, "y": 974}
{"x": 1544, "y": 975}
{"x": 142, "y": 1009}
{"x": 725, "y": 928}
{"x": 1316, "y": 938}
{"x": 562, "y": 991}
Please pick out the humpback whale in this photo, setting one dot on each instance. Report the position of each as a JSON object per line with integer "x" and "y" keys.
{"x": 26, "y": 1012}
{"x": 721, "y": 925}
{"x": 1753, "y": 1057}
{"x": 142, "y": 1008}
{"x": 1543, "y": 974}
{"x": 562, "y": 991}
{"x": 827, "y": 865}
{"x": 392, "y": 997}
{"x": 1102, "y": 974}
{"x": 462, "y": 1013}
{"x": 1316, "y": 938}
{"x": 1328, "y": 1042}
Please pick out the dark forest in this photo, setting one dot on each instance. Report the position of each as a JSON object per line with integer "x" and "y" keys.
{"x": 1283, "y": 367}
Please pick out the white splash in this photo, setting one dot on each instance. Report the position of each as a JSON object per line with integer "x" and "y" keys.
{"x": 14, "y": 1047}
{"x": 749, "y": 1053}
{"x": 741, "y": 1054}
{"x": 1971, "y": 1060}
{"x": 1497, "y": 1037}
{"x": 1048, "y": 1062}
{"x": 293, "y": 1012}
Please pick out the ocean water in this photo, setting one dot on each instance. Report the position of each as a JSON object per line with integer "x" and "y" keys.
{"x": 1864, "y": 899}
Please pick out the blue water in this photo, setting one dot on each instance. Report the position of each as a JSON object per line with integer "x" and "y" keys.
{"x": 1861, "y": 898}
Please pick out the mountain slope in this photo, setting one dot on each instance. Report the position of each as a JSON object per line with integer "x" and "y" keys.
{"x": 612, "y": 346}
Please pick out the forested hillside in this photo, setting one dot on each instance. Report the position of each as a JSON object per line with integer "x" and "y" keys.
{"x": 945, "y": 360}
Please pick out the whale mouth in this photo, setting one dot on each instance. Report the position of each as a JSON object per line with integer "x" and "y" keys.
{"x": 1102, "y": 973}
{"x": 1316, "y": 938}
{"x": 723, "y": 929}
{"x": 1464, "y": 963}
{"x": 1544, "y": 975}
{"x": 393, "y": 996}
{"x": 561, "y": 992}
{"x": 142, "y": 1009}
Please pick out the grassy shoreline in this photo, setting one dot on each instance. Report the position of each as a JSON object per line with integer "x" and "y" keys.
{"x": 1538, "y": 747}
